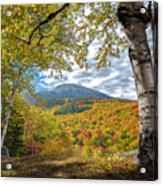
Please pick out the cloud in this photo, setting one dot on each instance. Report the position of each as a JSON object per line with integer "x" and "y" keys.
{"x": 115, "y": 80}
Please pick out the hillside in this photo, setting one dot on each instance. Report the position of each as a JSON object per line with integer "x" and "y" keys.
{"x": 80, "y": 138}
{"x": 72, "y": 91}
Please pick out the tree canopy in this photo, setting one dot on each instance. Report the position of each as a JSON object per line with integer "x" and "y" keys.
{"x": 56, "y": 36}
{"x": 52, "y": 36}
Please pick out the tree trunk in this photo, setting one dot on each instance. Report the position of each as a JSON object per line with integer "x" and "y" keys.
{"x": 135, "y": 24}
{"x": 15, "y": 87}
{"x": 155, "y": 58}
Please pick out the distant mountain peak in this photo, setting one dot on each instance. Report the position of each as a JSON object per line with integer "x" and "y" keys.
{"x": 72, "y": 91}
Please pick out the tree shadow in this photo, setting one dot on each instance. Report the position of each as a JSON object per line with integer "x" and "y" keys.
{"x": 72, "y": 168}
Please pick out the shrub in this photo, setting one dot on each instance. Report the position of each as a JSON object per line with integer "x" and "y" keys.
{"x": 58, "y": 146}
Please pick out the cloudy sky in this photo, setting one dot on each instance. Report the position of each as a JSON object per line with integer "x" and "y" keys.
{"x": 115, "y": 80}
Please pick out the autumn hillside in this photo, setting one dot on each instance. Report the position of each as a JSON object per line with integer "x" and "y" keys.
{"x": 73, "y": 131}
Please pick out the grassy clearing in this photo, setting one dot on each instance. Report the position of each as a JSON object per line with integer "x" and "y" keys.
{"x": 71, "y": 167}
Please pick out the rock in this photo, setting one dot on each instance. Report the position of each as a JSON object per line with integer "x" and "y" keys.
{"x": 5, "y": 151}
{"x": 128, "y": 154}
{"x": 133, "y": 153}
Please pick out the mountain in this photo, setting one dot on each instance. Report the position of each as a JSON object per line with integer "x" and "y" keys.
{"x": 72, "y": 91}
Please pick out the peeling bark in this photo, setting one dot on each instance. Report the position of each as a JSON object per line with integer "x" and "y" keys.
{"x": 135, "y": 25}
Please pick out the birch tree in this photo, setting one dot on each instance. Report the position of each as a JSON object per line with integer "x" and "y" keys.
{"x": 135, "y": 24}
{"x": 26, "y": 45}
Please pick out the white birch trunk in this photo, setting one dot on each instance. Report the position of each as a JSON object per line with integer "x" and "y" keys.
{"x": 135, "y": 25}
{"x": 4, "y": 132}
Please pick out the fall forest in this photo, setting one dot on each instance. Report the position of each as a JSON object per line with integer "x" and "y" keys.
{"x": 73, "y": 131}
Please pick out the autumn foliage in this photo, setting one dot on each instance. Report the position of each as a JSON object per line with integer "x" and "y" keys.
{"x": 98, "y": 135}
{"x": 108, "y": 127}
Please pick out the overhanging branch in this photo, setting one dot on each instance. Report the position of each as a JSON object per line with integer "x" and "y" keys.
{"x": 48, "y": 19}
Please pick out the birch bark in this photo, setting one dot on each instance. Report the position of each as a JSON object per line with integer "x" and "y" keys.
{"x": 15, "y": 87}
{"x": 135, "y": 25}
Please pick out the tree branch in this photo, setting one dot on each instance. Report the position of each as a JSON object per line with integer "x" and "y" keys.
{"x": 48, "y": 19}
